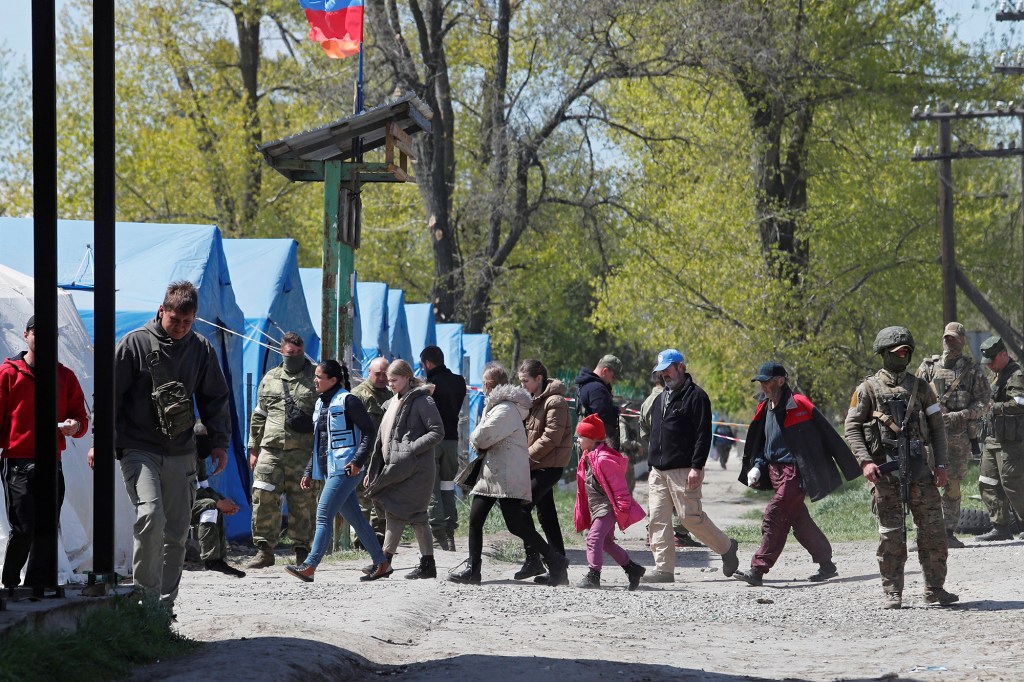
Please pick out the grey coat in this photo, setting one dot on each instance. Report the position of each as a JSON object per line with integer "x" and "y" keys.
{"x": 403, "y": 485}
{"x": 500, "y": 438}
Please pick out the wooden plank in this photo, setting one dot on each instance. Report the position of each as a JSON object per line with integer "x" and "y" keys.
{"x": 400, "y": 174}
{"x": 401, "y": 139}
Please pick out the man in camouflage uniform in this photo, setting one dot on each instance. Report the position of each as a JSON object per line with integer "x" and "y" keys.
{"x": 869, "y": 421}
{"x": 208, "y": 512}
{"x": 1001, "y": 475}
{"x": 278, "y": 454}
{"x": 373, "y": 392}
{"x": 963, "y": 393}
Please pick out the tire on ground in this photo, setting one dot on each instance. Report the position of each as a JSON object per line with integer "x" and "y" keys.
{"x": 973, "y": 521}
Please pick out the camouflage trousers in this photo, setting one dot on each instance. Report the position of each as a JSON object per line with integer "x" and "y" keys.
{"x": 210, "y": 530}
{"x": 958, "y": 456}
{"x": 1001, "y": 480}
{"x": 277, "y": 473}
{"x": 926, "y": 508}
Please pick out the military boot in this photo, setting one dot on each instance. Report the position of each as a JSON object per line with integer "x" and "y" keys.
{"x": 558, "y": 568}
{"x": 426, "y": 569}
{"x": 937, "y": 595}
{"x": 591, "y": 580}
{"x": 952, "y": 541}
{"x": 531, "y": 567}
{"x": 998, "y": 532}
{"x": 300, "y": 555}
{"x": 441, "y": 540}
{"x": 264, "y": 558}
{"x": 892, "y": 600}
{"x": 634, "y": 572}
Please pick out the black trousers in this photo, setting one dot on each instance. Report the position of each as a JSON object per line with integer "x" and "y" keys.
{"x": 542, "y": 486}
{"x": 21, "y": 491}
{"x": 517, "y": 519}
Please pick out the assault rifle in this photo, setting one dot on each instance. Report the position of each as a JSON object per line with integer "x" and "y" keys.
{"x": 905, "y": 449}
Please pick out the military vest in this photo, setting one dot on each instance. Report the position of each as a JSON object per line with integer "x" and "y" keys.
{"x": 1006, "y": 427}
{"x": 953, "y": 386}
{"x": 878, "y": 428}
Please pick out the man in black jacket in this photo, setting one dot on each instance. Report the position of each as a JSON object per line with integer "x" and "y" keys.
{"x": 449, "y": 394}
{"x": 792, "y": 449}
{"x": 594, "y": 395}
{"x": 155, "y": 442}
{"x": 680, "y": 443}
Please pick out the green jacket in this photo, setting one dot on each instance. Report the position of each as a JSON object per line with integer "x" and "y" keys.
{"x": 266, "y": 426}
{"x": 1008, "y": 405}
{"x": 373, "y": 400}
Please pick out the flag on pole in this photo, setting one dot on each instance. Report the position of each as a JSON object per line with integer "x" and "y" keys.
{"x": 336, "y": 24}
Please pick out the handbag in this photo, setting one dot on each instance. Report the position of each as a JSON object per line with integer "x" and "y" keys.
{"x": 470, "y": 474}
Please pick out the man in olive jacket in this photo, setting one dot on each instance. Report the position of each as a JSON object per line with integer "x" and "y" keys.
{"x": 158, "y": 462}
{"x": 792, "y": 449}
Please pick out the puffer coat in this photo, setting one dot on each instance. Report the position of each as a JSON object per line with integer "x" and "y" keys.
{"x": 500, "y": 438}
{"x": 549, "y": 428}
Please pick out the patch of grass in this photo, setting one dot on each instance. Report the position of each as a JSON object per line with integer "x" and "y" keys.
{"x": 108, "y": 643}
{"x": 845, "y": 515}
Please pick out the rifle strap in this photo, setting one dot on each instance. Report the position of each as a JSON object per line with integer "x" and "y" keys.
{"x": 951, "y": 387}
{"x": 887, "y": 421}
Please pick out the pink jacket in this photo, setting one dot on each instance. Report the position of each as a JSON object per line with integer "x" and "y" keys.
{"x": 610, "y": 472}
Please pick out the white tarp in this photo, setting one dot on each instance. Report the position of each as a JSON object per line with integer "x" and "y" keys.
{"x": 76, "y": 353}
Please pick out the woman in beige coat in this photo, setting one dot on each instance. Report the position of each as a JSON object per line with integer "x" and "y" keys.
{"x": 501, "y": 475}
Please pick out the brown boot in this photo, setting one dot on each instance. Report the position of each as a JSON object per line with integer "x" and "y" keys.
{"x": 302, "y": 572}
{"x": 264, "y": 558}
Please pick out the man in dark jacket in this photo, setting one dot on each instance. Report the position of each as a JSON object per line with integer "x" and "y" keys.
{"x": 18, "y": 466}
{"x": 678, "y": 451}
{"x": 154, "y": 441}
{"x": 449, "y": 394}
{"x": 792, "y": 448}
{"x": 594, "y": 395}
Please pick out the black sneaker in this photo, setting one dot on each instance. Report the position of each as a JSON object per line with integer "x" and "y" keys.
{"x": 825, "y": 571}
{"x": 752, "y": 577}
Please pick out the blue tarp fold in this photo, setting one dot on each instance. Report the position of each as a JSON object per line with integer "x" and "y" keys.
{"x": 398, "y": 329}
{"x": 419, "y": 317}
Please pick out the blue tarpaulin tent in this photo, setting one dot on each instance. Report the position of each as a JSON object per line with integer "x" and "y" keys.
{"x": 449, "y": 340}
{"x": 419, "y": 317}
{"x": 373, "y": 322}
{"x": 148, "y": 258}
{"x": 477, "y": 348}
{"x": 398, "y": 329}
{"x": 265, "y": 278}
{"x": 312, "y": 284}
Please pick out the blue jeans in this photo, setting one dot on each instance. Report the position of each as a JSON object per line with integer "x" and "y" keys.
{"x": 339, "y": 495}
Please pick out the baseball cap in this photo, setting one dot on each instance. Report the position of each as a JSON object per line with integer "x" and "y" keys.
{"x": 990, "y": 348}
{"x": 954, "y": 329}
{"x": 31, "y": 324}
{"x": 769, "y": 370}
{"x": 667, "y": 357}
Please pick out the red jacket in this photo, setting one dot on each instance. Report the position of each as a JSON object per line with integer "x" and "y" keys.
{"x": 610, "y": 470}
{"x": 18, "y": 407}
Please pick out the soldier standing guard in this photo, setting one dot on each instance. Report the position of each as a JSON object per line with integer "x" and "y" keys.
{"x": 1001, "y": 476}
{"x": 869, "y": 421}
{"x": 280, "y": 442}
{"x": 963, "y": 392}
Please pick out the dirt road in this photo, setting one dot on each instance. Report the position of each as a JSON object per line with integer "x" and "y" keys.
{"x": 704, "y": 627}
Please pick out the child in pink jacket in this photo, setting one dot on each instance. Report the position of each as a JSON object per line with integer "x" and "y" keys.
{"x": 602, "y": 499}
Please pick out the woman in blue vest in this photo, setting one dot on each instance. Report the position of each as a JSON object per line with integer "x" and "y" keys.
{"x": 344, "y": 436}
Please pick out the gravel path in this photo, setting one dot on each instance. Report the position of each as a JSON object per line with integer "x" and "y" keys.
{"x": 703, "y": 627}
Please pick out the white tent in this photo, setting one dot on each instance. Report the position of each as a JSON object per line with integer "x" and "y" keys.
{"x": 76, "y": 353}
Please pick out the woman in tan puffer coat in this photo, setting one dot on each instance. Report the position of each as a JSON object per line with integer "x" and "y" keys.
{"x": 549, "y": 438}
{"x": 501, "y": 475}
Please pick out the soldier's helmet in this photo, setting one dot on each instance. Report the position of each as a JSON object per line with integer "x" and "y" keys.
{"x": 891, "y": 337}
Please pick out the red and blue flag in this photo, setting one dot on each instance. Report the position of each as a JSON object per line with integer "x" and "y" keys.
{"x": 336, "y": 24}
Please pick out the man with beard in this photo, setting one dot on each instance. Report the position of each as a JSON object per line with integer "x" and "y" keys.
{"x": 963, "y": 392}
{"x": 871, "y": 431}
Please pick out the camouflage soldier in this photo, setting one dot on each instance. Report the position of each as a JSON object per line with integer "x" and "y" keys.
{"x": 963, "y": 392}
{"x": 208, "y": 512}
{"x": 373, "y": 393}
{"x": 869, "y": 421}
{"x": 280, "y": 443}
{"x": 1001, "y": 476}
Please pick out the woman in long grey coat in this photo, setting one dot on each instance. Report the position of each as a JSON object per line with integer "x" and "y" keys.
{"x": 400, "y": 476}
{"x": 502, "y": 475}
